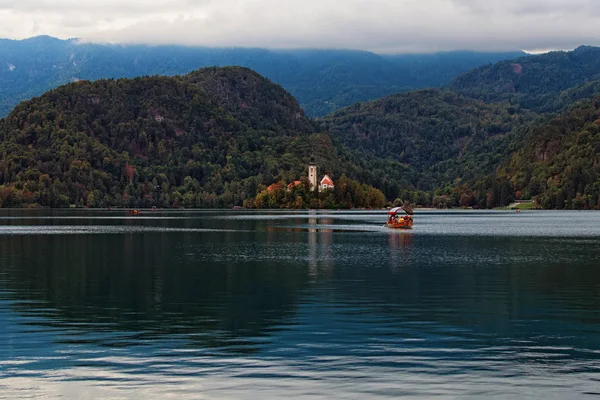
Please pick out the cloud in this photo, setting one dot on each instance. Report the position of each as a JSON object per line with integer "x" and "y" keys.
{"x": 378, "y": 25}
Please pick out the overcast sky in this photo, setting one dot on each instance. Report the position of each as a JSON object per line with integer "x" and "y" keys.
{"x": 377, "y": 25}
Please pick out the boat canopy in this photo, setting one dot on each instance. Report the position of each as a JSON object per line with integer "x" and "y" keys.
{"x": 396, "y": 210}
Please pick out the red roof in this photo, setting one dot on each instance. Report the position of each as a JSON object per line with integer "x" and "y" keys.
{"x": 326, "y": 181}
{"x": 275, "y": 186}
{"x": 294, "y": 184}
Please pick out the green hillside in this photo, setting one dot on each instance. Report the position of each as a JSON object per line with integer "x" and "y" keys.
{"x": 203, "y": 140}
{"x": 467, "y": 144}
{"x": 440, "y": 136}
{"x": 218, "y": 137}
{"x": 533, "y": 82}
{"x": 322, "y": 80}
{"x": 558, "y": 165}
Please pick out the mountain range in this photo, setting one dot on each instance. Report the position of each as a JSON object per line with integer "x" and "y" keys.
{"x": 321, "y": 80}
{"x": 212, "y": 138}
{"x": 526, "y": 128}
{"x": 498, "y": 133}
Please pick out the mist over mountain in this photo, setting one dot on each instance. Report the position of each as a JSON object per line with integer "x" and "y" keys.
{"x": 322, "y": 80}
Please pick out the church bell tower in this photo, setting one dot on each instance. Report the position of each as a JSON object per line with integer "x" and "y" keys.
{"x": 312, "y": 173}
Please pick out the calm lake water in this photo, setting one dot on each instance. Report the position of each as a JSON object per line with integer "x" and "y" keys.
{"x": 241, "y": 305}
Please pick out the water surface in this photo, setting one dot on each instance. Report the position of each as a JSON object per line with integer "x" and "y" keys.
{"x": 246, "y": 305}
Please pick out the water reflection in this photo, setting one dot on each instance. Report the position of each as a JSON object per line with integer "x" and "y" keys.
{"x": 320, "y": 244}
{"x": 312, "y": 249}
{"x": 327, "y": 240}
{"x": 288, "y": 306}
{"x": 400, "y": 249}
{"x": 146, "y": 289}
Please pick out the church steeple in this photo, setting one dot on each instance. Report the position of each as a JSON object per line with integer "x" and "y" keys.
{"x": 312, "y": 173}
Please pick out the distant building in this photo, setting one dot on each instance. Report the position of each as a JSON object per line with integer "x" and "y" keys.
{"x": 312, "y": 174}
{"x": 326, "y": 184}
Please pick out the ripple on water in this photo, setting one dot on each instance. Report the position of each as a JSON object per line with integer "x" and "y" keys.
{"x": 99, "y": 230}
{"x": 320, "y": 305}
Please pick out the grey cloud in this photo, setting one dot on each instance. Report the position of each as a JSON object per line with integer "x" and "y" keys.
{"x": 379, "y": 25}
{"x": 122, "y": 7}
{"x": 531, "y": 7}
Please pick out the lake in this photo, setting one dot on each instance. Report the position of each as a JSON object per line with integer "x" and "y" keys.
{"x": 307, "y": 305}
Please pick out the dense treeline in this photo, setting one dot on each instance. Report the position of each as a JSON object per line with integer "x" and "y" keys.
{"x": 554, "y": 160}
{"x": 213, "y": 138}
{"x": 205, "y": 140}
{"x": 218, "y": 137}
{"x": 558, "y": 165}
{"x": 438, "y": 135}
{"x": 477, "y": 143}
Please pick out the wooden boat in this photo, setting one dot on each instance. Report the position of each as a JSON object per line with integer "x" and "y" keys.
{"x": 396, "y": 221}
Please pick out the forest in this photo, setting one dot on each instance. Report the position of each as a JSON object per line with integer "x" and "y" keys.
{"x": 214, "y": 138}
{"x": 220, "y": 136}
{"x": 516, "y": 130}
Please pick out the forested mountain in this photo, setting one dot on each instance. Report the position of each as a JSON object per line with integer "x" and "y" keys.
{"x": 533, "y": 82}
{"x": 558, "y": 163}
{"x": 555, "y": 160}
{"x": 441, "y": 136}
{"x": 212, "y": 138}
{"x": 219, "y": 136}
{"x": 322, "y": 80}
{"x": 151, "y": 141}
{"x": 459, "y": 141}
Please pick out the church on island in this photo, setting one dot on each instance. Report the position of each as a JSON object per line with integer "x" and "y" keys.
{"x": 325, "y": 184}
